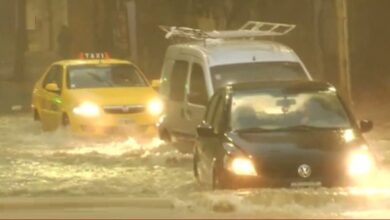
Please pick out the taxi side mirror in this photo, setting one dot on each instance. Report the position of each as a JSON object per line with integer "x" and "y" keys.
{"x": 366, "y": 126}
{"x": 52, "y": 87}
{"x": 156, "y": 84}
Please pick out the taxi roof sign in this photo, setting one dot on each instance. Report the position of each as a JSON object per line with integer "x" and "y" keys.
{"x": 94, "y": 56}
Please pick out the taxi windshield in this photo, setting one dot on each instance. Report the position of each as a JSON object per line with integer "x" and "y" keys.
{"x": 278, "y": 110}
{"x": 103, "y": 76}
{"x": 257, "y": 71}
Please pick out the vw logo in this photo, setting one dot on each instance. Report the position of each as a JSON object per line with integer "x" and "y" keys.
{"x": 304, "y": 170}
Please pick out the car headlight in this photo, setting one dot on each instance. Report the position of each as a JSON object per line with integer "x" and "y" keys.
{"x": 155, "y": 107}
{"x": 360, "y": 163}
{"x": 241, "y": 166}
{"x": 87, "y": 109}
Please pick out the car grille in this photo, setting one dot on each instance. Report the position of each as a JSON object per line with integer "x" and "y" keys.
{"x": 124, "y": 109}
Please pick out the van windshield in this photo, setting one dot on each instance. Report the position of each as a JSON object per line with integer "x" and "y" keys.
{"x": 260, "y": 71}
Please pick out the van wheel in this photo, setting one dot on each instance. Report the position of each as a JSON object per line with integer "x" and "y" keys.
{"x": 165, "y": 136}
{"x": 216, "y": 181}
{"x": 36, "y": 115}
{"x": 65, "y": 120}
{"x": 196, "y": 166}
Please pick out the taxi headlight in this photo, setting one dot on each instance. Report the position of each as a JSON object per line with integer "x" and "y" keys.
{"x": 242, "y": 166}
{"x": 155, "y": 107}
{"x": 360, "y": 163}
{"x": 87, "y": 109}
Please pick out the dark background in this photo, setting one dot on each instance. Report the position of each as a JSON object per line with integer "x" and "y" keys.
{"x": 103, "y": 25}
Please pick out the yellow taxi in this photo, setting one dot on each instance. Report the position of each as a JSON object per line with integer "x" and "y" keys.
{"x": 96, "y": 95}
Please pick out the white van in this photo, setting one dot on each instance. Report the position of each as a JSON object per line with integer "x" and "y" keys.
{"x": 193, "y": 70}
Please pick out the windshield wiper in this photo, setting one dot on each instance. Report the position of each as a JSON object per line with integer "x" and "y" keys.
{"x": 288, "y": 128}
{"x": 98, "y": 78}
{"x": 304, "y": 127}
{"x": 254, "y": 129}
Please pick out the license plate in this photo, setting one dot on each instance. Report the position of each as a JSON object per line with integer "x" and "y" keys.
{"x": 306, "y": 184}
{"x": 126, "y": 122}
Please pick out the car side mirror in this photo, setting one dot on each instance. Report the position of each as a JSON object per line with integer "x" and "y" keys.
{"x": 205, "y": 130}
{"x": 366, "y": 126}
{"x": 197, "y": 98}
{"x": 156, "y": 84}
{"x": 52, "y": 87}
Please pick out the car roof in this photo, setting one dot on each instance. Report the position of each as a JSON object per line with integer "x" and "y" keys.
{"x": 282, "y": 85}
{"x": 91, "y": 61}
{"x": 221, "y": 52}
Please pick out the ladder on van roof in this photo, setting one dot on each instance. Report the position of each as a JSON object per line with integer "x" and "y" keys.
{"x": 250, "y": 29}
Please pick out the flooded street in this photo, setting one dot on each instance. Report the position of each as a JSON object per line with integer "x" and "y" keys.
{"x": 37, "y": 165}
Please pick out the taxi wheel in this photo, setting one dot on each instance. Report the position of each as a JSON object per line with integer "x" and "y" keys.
{"x": 65, "y": 120}
{"x": 36, "y": 115}
{"x": 165, "y": 136}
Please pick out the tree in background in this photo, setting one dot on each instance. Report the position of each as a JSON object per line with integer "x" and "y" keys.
{"x": 21, "y": 39}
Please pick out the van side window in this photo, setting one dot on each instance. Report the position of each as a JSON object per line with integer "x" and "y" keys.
{"x": 198, "y": 90}
{"x": 178, "y": 80}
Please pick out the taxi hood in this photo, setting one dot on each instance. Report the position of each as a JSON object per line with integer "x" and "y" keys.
{"x": 113, "y": 96}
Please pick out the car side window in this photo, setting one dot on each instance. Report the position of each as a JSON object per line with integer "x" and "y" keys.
{"x": 178, "y": 80}
{"x": 198, "y": 90}
{"x": 211, "y": 109}
{"x": 54, "y": 76}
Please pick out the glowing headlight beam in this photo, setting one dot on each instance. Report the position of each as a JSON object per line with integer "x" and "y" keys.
{"x": 155, "y": 107}
{"x": 243, "y": 166}
{"x": 360, "y": 163}
{"x": 87, "y": 109}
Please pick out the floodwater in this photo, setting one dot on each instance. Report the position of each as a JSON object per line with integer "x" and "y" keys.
{"x": 38, "y": 164}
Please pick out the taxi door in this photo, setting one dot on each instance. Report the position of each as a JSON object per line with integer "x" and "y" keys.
{"x": 51, "y": 113}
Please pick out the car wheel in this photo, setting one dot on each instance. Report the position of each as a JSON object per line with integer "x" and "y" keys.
{"x": 65, "y": 120}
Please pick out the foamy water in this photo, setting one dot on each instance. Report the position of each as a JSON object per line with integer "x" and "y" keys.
{"x": 34, "y": 163}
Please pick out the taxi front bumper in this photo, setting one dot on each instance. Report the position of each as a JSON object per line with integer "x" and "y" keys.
{"x": 114, "y": 124}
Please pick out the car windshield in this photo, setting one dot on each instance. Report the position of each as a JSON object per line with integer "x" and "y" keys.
{"x": 102, "y": 76}
{"x": 276, "y": 110}
{"x": 260, "y": 71}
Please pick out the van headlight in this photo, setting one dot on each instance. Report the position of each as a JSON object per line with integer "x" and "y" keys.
{"x": 155, "y": 107}
{"x": 87, "y": 109}
{"x": 360, "y": 163}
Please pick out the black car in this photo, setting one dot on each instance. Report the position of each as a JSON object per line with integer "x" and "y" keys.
{"x": 281, "y": 134}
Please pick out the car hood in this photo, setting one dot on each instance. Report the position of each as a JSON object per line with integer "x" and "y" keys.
{"x": 279, "y": 152}
{"x": 260, "y": 143}
{"x": 113, "y": 96}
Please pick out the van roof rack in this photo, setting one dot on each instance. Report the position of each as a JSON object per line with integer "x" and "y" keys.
{"x": 250, "y": 29}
